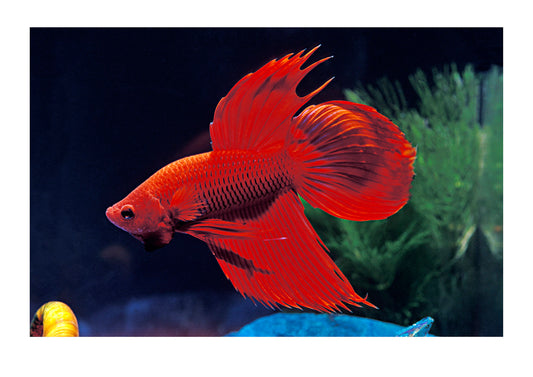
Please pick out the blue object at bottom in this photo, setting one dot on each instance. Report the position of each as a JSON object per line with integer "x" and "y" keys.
{"x": 310, "y": 324}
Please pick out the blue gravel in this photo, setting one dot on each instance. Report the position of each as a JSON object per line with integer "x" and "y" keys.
{"x": 309, "y": 324}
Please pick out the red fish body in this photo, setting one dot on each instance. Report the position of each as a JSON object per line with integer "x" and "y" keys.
{"x": 242, "y": 198}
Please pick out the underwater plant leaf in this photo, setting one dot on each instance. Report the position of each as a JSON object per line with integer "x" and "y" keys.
{"x": 491, "y": 197}
{"x": 449, "y": 172}
{"x": 371, "y": 250}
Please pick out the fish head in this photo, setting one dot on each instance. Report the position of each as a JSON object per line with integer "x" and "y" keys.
{"x": 142, "y": 215}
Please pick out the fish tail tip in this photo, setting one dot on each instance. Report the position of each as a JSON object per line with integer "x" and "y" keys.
{"x": 368, "y": 303}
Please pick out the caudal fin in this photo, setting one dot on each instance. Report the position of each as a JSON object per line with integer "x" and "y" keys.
{"x": 351, "y": 161}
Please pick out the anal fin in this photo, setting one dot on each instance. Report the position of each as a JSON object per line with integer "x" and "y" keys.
{"x": 236, "y": 260}
{"x": 270, "y": 253}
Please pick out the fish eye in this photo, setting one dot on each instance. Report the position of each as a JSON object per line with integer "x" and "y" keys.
{"x": 127, "y": 212}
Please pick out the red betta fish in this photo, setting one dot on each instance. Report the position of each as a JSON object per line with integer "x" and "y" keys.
{"x": 242, "y": 197}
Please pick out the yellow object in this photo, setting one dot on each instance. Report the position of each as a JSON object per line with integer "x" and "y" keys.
{"x": 54, "y": 319}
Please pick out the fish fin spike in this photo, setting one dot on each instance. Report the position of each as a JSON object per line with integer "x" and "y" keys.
{"x": 257, "y": 112}
{"x": 293, "y": 269}
{"x": 184, "y": 205}
{"x": 351, "y": 161}
{"x": 205, "y": 228}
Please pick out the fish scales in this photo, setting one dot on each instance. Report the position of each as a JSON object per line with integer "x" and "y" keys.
{"x": 225, "y": 180}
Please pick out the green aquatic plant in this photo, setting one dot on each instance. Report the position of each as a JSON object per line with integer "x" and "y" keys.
{"x": 410, "y": 260}
{"x": 368, "y": 252}
{"x": 491, "y": 197}
{"x": 447, "y": 135}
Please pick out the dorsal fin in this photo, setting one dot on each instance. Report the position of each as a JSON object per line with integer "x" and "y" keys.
{"x": 256, "y": 114}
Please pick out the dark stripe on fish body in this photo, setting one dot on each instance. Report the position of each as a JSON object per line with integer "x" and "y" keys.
{"x": 236, "y": 260}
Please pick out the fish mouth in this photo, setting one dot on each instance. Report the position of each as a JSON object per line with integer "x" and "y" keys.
{"x": 114, "y": 217}
{"x": 110, "y": 213}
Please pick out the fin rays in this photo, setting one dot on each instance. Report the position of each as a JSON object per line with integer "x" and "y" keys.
{"x": 256, "y": 114}
{"x": 288, "y": 265}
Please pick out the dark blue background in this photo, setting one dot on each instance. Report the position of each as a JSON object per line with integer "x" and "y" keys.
{"x": 109, "y": 107}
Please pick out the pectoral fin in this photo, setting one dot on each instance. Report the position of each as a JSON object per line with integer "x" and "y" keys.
{"x": 219, "y": 228}
{"x": 185, "y": 206}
